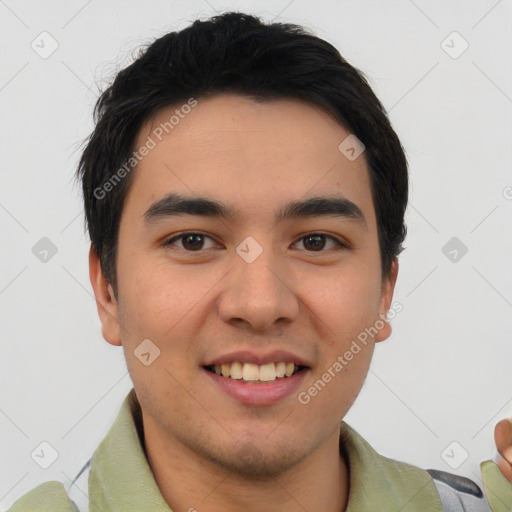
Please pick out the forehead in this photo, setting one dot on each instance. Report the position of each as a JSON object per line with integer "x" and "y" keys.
{"x": 247, "y": 154}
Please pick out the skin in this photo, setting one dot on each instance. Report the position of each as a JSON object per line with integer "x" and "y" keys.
{"x": 195, "y": 306}
{"x": 503, "y": 439}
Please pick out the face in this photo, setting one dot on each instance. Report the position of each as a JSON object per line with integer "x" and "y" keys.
{"x": 247, "y": 287}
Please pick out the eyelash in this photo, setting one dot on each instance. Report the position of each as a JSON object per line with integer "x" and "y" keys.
{"x": 340, "y": 245}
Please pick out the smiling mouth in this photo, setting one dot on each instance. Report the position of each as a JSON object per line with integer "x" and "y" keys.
{"x": 254, "y": 373}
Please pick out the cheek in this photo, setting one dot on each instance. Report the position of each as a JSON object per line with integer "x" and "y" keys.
{"x": 153, "y": 299}
{"x": 347, "y": 384}
{"x": 334, "y": 388}
{"x": 346, "y": 304}
{"x": 154, "y": 306}
{"x": 166, "y": 306}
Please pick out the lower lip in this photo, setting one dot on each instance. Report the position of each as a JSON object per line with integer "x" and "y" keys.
{"x": 259, "y": 393}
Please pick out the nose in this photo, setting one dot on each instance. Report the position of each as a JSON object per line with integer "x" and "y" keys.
{"x": 258, "y": 296}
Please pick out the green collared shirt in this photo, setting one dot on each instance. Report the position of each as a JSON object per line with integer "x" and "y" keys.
{"x": 121, "y": 480}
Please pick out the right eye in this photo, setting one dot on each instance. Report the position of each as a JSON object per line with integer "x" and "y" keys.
{"x": 191, "y": 241}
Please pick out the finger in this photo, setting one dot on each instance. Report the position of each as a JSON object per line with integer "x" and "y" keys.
{"x": 504, "y": 465}
{"x": 503, "y": 436}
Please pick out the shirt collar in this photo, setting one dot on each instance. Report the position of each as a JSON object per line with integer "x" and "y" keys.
{"x": 380, "y": 483}
{"x": 121, "y": 478}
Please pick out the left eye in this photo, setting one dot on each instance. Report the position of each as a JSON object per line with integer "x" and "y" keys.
{"x": 313, "y": 242}
{"x": 318, "y": 241}
{"x": 190, "y": 241}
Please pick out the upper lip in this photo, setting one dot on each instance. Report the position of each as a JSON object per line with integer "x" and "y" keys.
{"x": 249, "y": 356}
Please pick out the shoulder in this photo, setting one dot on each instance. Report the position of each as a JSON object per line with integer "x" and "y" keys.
{"x": 377, "y": 480}
{"x": 46, "y": 496}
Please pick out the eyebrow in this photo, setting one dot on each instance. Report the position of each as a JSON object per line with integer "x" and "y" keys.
{"x": 175, "y": 204}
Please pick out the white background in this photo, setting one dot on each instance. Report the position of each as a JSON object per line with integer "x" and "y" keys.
{"x": 444, "y": 375}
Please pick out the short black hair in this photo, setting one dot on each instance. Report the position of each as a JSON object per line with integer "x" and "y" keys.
{"x": 240, "y": 54}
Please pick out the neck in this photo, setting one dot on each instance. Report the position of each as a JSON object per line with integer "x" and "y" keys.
{"x": 190, "y": 483}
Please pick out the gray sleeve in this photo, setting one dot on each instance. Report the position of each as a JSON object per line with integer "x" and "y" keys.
{"x": 459, "y": 494}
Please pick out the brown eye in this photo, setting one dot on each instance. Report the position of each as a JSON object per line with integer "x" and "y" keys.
{"x": 193, "y": 242}
{"x": 316, "y": 242}
{"x": 190, "y": 242}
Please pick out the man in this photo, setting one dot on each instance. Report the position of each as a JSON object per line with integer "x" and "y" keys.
{"x": 245, "y": 197}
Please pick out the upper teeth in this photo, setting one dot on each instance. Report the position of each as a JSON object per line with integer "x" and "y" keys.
{"x": 251, "y": 371}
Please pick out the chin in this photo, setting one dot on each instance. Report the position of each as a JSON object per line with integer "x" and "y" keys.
{"x": 252, "y": 463}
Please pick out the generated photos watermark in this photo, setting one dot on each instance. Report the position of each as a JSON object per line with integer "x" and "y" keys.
{"x": 304, "y": 397}
{"x": 142, "y": 151}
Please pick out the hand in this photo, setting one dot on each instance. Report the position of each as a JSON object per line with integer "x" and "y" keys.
{"x": 503, "y": 439}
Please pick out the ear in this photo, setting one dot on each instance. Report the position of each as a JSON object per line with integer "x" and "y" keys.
{"x": 388, "y": 287}
{"x": 105, "y": 301}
